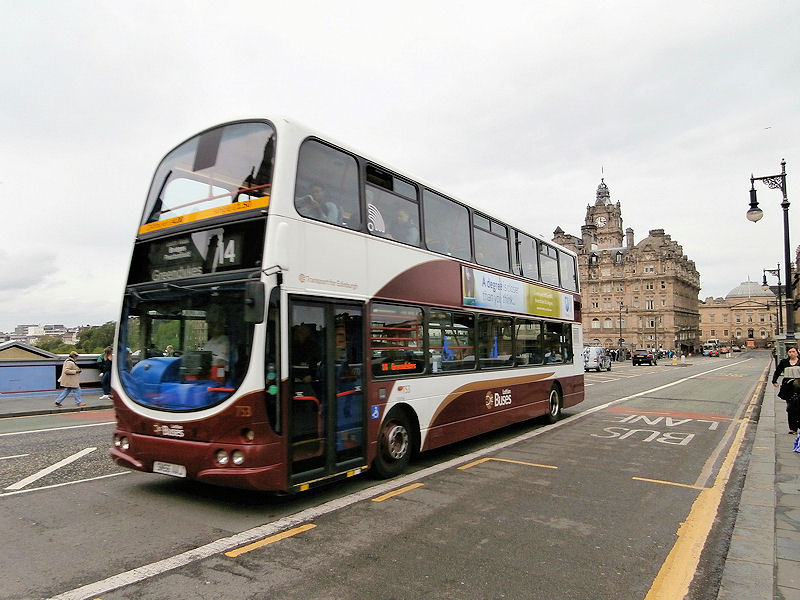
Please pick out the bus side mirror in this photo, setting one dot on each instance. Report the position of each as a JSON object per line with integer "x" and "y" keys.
{"x": 254, "y": 302}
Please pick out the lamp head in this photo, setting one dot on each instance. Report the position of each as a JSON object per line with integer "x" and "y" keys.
{"x": 754, "y": 214}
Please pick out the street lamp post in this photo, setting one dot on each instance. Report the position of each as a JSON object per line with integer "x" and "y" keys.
{"x": 777, "y": 182}
{"x": 619, "y": 322}
{"x": 655, "y": 331}
{"x": 765, "y": 286}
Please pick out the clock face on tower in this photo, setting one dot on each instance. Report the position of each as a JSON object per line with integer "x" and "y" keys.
{"x": 601, "y": 221}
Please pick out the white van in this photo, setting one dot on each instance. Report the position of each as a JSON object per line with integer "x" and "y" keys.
{"x": 595, "y": 357}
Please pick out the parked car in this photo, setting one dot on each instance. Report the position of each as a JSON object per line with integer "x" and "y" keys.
{"x": 642, "y": 356}
{"x": 595, "y": 357}
{"x": 736, "y": 348}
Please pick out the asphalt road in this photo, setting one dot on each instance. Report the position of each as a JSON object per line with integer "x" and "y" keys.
{"x": 588, "y": 508}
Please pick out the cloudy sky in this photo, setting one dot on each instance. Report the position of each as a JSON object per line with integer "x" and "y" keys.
{"x": 516, "y": 107}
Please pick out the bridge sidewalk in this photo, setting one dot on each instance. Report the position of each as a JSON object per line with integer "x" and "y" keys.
{"x": 25, "y": 404}
{"x": 763, "y": 561}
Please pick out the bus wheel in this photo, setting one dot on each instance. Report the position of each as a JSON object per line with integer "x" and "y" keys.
{"x": 394, "y": 445}
{"x": 555, "y": 405}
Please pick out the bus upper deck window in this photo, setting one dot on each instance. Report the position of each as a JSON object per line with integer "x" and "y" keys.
{"x": 392, "y": 207}
{"x": 446, "y": 226}
{"x": 327, "y": 185}
{"x": 222, "y": 166}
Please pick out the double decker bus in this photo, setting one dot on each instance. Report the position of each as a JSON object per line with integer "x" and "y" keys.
{"x": 297, "y": 312}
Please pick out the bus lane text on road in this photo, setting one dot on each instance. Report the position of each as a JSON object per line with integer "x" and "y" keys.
{"x": 658, "y": 428}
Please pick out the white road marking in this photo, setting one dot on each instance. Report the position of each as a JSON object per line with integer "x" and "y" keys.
{"x": 58, "y": 485}
{"x": 56, "y": 428}
{"x": 62, "y": 463}
{"x": 13, "y": 456}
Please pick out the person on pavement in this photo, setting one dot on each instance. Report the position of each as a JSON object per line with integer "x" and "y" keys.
{"x": 788, "y": 388}
{"x": 105, "y": 373}
{"x": 70, "y": 380}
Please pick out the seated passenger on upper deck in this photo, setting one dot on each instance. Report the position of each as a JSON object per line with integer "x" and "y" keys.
{"x": 315, "y": 204}
{"x": 405, "y": 229}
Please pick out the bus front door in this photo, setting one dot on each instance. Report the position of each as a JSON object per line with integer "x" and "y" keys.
{"x": 326, "y": 407}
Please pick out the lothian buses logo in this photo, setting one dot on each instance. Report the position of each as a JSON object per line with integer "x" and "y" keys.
{"x": 168, "y": 430}
{"x": 495, "y": 399}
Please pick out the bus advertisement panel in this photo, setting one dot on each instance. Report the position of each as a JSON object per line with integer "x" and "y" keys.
{"x": 493, "y": 291}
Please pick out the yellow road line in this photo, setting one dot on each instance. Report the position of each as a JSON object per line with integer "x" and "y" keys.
{"x": 508, "y": 460}
{"x": 678, "y": 570}
{"x": 397, "y": 492}
{"x": 676, "y": 484}
{"x": 270, "y": 540}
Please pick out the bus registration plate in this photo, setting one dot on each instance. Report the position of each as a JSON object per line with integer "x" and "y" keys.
{"x": 169, "y": 469}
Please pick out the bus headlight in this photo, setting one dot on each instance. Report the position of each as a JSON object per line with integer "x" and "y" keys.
{"x": 237, "y": 457}
{"x": 121, "y": 442}
{"x": 222, "y": 457}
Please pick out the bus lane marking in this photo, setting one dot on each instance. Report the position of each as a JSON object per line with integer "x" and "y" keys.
{"x": 673, "y": 483}
{"x": 661, "y": 420}
{"x": 506, "y": 460}
{"x": 397, "y": 492}
{"x": 92, "y": 590}
{"x": 680, "y": 414}
{"x": 270, "y": 540}
{"x": 678, "y": 570}
{"x": 46, "y": 471}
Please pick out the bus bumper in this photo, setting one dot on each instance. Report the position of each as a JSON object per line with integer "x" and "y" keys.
{"x": 269, "y": 474}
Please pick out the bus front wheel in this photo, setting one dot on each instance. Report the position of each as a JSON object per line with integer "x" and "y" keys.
{"x": 394, "y": 445}
{"x": 555, "y": 405}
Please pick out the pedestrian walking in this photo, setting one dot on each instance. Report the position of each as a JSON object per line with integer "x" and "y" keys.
{"x": 70, "y": 380}
{"x": 789, "y": 390}
{"x": 105, "y": 373}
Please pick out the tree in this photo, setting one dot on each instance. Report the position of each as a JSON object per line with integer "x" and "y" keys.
{"x": 95, "y": 339}
{"x": 54, "y": 344}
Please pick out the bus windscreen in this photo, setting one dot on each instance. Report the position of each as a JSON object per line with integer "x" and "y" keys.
{"x": 222, "y": 171}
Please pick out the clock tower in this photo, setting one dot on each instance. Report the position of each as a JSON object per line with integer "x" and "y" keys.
{"x": 633, "y": 295}
{"x": 605, "y": 219}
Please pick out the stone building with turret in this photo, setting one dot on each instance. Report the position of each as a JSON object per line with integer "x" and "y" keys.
{"x": 634, "y": 295}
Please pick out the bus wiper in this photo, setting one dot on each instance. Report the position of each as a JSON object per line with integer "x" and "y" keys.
{"x": 175, "y": 286}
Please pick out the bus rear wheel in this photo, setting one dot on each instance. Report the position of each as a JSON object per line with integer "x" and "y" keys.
{"x": 555, "y": 405}
{"x": 394, "y": 445}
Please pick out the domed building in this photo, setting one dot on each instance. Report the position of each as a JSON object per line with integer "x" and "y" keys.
{"x": 746, "y": 316}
